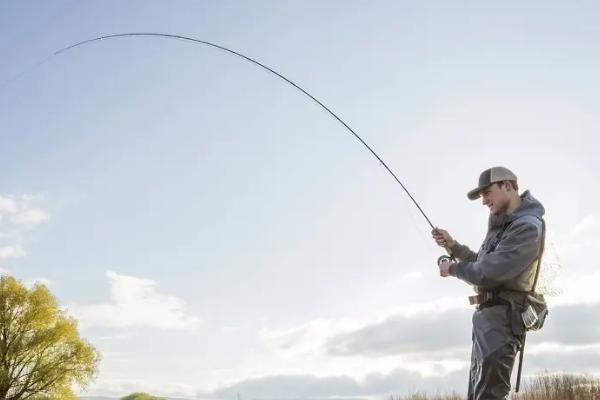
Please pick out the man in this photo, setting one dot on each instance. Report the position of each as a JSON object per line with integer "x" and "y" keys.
{"x": 502, "y": 271}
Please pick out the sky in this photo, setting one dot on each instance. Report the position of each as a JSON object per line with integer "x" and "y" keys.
{"x": 217, "y": 234}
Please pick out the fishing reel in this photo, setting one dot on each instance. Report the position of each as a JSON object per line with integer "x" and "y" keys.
{"x": 445, "y": 258}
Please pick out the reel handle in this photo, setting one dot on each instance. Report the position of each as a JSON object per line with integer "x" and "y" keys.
{"x": 444, "y": 258}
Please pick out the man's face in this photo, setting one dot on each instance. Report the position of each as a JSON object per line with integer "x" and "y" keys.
{"x": 496, "y": 198}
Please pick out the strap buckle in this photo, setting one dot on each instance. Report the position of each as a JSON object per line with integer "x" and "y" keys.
{"x": 482, "y": 298}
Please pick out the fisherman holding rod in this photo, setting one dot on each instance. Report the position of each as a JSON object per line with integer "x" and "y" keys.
{"x": 504, "y": 272}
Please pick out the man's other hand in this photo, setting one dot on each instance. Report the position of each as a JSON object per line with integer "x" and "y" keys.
{"x": 445, "y": 269}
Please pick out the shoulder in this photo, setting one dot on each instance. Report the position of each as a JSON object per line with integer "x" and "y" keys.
{"x": 528, "y": 219}
{"x": 527, "y": 223}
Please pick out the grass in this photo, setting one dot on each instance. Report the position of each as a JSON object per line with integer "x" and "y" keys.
{"x": 424, "y": 396}
{"x": 543, "y": 387}
{"x": 560, "y": 387}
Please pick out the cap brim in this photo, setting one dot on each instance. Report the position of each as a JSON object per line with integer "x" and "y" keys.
{"x": 475, "y": 193}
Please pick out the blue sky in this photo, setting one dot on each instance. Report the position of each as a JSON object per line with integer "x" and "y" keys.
{"x": 215, "y": 232}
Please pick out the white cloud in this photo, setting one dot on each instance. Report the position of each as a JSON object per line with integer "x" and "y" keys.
{"x": 21, "y": 209}
{"x": 136, "y": 303}
{"x": 408, "y": 336}
{"x": 18, "y": 214}
{"x": 307, "y": 339}
{"x": 11, "y": 251}
{"x": 314, "y": 336}
{"x": 577, "y": 289}
{"x": 575, "y": 240}
{"x": 115, "y": 387}
{"x": 401, "y": 335}
{"x": 319, "y": 345}
{"x": 562, "y": 348}
{"x": 303, "y": 386}
{"x": 569, "y": 274}
{"x": 421, "y": 338}
{"x": 586, "y": 225}
{"x": 7, "y": 205}
{"x": 30, "y": 217}
{"x": 44, "y": 281}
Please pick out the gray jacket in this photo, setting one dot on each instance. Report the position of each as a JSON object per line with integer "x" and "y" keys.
{"x": 506, "y": 259}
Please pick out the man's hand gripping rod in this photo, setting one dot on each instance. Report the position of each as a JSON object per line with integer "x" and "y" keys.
{"x": 445, "y": 257}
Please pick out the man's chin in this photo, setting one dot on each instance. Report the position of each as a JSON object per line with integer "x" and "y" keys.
{"x": 497, "y": 213}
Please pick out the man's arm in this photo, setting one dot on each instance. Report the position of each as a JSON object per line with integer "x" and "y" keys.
{"x": 463, "y": 252}
{"x": 444, "y": 239}
{"x": 515, "y": 252}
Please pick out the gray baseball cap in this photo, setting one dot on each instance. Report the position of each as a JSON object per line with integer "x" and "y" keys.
{"x": 489, "y": 176}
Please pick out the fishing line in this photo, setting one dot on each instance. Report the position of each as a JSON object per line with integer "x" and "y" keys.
{"x": 26, "y": 71}
{"x": 269, "y": 69}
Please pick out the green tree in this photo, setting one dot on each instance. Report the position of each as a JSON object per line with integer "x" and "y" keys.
{"x": 41, "y": 353}
{"x": 141, "y": 396}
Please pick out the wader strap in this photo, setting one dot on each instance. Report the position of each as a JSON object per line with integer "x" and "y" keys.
{"x": 539, "y": 257}
{"x": 537, "y": 274}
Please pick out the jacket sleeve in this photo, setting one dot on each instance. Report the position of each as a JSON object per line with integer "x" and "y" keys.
{"x": 516, "y": 250}
{"x": 462, "y": 252}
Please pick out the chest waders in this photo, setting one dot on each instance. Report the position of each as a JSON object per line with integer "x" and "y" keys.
{"x": 522, "y": 316}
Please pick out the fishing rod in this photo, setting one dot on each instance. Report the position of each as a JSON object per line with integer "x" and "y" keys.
{"x": 271, "y": 70}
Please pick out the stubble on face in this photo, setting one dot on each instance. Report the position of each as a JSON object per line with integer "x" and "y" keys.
{"x": 496, "y": 200}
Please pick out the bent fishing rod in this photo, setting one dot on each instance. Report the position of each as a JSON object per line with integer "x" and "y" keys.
{"x": 272, "y": 71}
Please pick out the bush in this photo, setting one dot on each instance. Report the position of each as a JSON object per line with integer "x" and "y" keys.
{"x": 141, "y": 396}
{"x": 42, "y": 355}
